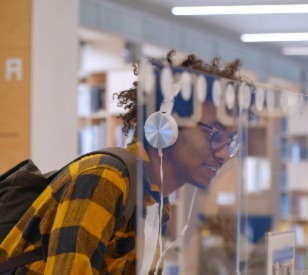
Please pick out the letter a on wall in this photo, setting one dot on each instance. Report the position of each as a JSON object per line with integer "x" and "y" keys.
{"x": 13, "y": 69}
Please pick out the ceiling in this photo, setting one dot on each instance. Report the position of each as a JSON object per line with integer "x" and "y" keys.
{"x": 232, "y": 26}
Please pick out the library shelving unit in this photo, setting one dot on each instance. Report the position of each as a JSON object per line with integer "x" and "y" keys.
{"x": 289, "y": 163}
{"x": 294, "y": 188}
{"x": 99, "y": 125}
{"x": 281, "y": 140}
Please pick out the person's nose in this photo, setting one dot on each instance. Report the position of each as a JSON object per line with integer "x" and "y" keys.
{"x": 222, "y": 155}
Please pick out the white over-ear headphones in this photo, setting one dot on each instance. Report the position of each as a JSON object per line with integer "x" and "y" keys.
{"x": 161, "y": 131}
{"x": 160, "y": 128}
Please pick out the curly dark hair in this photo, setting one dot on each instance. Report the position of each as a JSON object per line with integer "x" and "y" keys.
{"x": 128, "y": 98}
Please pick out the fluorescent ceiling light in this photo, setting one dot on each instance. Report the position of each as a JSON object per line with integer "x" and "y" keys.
{"x": 295, "y": 51}
{"x": 247, "y": 9}
{"x": 275, "y": 37}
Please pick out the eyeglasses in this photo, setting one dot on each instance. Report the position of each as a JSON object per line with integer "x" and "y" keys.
{"x": 220, "y": 138}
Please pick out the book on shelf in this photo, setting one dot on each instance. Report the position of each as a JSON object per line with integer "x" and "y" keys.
{"x": 297, "y": 151}
{"x": 284, "y": 205}
{"x": 299, "y": 206}
{"x": 284, "y": 149}
{"x": 300, "y": 235}
{"x": 83, "y": 100}
{"x": 283, "y": 126}
{"x": 283, "y": 177}
{"x": 89, "y": 100}
{"x": 257, "y": 174}
{"x": 171, "y": 267}
{"x": 97, "y": 98}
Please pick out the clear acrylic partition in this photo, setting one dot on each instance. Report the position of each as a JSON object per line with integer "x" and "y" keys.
{"x": 272, "y": 229}
{"x": 208, "y": 245}
{"x": 260, "y": 192}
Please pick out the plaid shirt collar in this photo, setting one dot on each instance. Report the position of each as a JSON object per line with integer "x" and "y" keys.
{"x": 151, "y": 187}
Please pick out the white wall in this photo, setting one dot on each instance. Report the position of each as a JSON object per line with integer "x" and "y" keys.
{"x": 99, "y": 57}
{"x": 54, "y": 68}
{"x": 100, "y": 51}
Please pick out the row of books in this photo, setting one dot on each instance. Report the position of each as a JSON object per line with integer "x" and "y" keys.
{"x": 90, "y": 99}
{"x": 95, "y": 137}
{"x": 92, "y": 138}
{"x": 284, "y": 205}
{"x": 294, "y": 151}
{"x": 299, "y": 206}
{"x": 301, "y": 234}
{"x": 294, "y": 206}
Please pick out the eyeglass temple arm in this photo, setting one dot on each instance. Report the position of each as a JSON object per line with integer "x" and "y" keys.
{"x": 207, "y": 126}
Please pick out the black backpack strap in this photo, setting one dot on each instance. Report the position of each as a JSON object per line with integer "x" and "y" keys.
{"x": 21, "y": 260}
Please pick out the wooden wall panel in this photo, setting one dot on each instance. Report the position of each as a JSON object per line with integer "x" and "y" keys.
{"x": 15, "y": 18}
{"x": 15, "y": 54}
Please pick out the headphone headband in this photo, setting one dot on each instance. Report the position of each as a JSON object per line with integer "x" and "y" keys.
{"x": 161, "y": 129}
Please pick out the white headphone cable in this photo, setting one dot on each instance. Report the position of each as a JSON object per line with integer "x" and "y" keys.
{"x": 160, "y": 153}
{"x": 181, "y": 234}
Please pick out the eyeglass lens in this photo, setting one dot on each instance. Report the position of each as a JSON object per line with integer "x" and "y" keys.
{"x": 233, "y": 147}
{"x": 220, "y": 139}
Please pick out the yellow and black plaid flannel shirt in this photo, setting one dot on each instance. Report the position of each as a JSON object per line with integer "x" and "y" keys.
{"x": 73, "y": 220}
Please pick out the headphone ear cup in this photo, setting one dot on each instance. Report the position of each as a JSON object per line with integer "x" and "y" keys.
{"x": 161, "y": 130}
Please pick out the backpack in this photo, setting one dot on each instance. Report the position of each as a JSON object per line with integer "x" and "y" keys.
{"x": 22, "y": 184}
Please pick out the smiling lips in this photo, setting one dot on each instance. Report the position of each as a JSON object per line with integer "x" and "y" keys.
{"x": 212, "y": 168}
